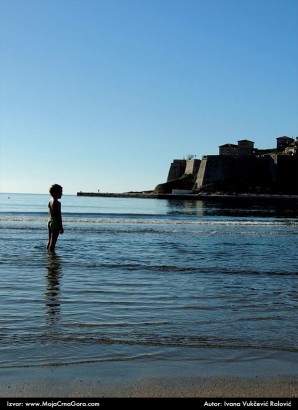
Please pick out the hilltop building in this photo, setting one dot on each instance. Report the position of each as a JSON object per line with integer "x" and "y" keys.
{"x": 283, "y": 143}
{"x": 228, "y": 149}
{"x": 244, "y": 147}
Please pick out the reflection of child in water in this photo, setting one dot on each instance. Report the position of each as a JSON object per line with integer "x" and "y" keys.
{"x": 55, "y": 219}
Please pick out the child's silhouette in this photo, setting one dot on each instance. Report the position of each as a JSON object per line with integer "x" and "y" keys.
{"x": 55, "y": 226}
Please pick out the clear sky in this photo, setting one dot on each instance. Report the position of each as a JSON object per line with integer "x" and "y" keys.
{"x": 104, "y": 94}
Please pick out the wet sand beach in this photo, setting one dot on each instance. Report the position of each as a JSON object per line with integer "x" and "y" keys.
{"x": 273, "y": 378}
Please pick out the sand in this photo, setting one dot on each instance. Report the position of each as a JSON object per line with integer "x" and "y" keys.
{"x": 159, "y": 387}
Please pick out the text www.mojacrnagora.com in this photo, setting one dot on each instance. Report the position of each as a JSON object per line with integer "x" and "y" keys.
{"x": 58, "y": 403}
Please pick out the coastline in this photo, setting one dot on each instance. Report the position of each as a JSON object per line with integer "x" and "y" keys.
{"x": 271, "y": 375}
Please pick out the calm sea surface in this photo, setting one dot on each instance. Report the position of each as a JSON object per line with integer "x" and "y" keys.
{"x": 144, "y": 278}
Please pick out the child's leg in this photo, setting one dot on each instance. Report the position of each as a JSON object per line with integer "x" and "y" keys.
{"x": 49, "y": 241}
{"x": 53, "y": 240}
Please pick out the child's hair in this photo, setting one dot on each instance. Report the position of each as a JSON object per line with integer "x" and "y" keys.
{"x": 54, "y": 189}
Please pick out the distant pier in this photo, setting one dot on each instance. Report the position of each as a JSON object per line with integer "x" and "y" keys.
{"x": 274, "y": 198}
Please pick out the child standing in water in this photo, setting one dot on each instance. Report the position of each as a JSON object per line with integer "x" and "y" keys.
{"x": 55, "y": 226}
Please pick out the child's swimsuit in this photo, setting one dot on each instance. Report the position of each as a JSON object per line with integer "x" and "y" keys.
{"x": 53, "y": 223}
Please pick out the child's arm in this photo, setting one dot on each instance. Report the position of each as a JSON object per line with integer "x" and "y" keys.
{"x": 57, "y": 212}
{"x": 60, "y": 218}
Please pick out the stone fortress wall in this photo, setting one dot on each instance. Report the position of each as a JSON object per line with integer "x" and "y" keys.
{"x": 181, "y": 167}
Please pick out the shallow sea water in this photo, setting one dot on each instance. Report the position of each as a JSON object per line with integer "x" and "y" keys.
{"x": 145, "y": 279}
